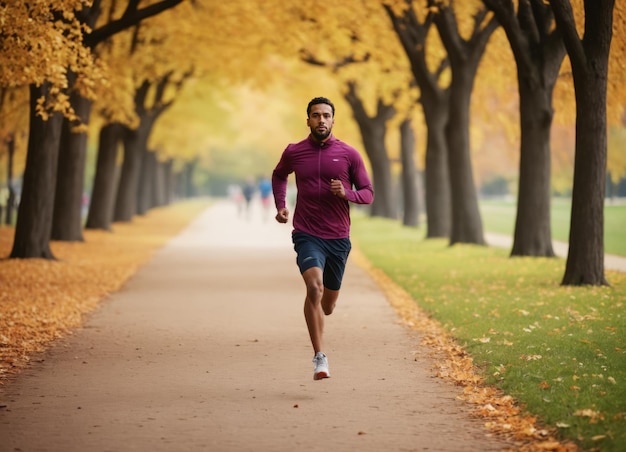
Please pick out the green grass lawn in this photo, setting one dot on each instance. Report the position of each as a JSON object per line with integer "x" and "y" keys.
{"x": 499, "y": 217}
{"x": 560, "y": 351}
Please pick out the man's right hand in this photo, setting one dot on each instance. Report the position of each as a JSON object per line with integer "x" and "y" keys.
{"x": 283, "y": 215}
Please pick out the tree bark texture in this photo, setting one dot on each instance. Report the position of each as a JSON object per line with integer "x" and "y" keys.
{"x": 67, "y": 221}
{"x": 533, "y": 235}
{"x": 436, "y": 170}
{"x": 466, "y": 221}
{"x": 34, "y": 220}
{"x": 147, "y": 178}
{"x": 410, "y": 186}
{"x": 134, "y": 145}
{"x": 100, "y": 214}
{"x": 589, "y": 58}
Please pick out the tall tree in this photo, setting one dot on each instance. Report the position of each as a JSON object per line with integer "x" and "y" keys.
{"x": 101, "y": 208}
{"x": 38, "y": 42}
{"x": 414, "y": 34}
{"x": 410, "y": 176}
{"x": 135, "y": 145}
{"x": 373, "y": 129}
{"x": 589, "y": 58}
{"x": 464, "y": 55}
{"x": 34, "y": 218}
{"x": 539, "y": 51}
{"x": 67, "y": 219}
{"x": 146, "y": 188}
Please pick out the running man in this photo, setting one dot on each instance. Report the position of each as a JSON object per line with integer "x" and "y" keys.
{"x": 330, "y": 174}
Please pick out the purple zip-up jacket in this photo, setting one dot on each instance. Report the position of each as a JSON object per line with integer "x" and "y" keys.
{"x": 318, "y": 212}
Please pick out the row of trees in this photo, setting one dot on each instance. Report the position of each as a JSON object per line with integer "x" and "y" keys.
{"x": 396, "y": 61}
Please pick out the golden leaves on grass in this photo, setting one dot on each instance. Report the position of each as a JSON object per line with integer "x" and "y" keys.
{"x": 593, "y": 415}
{"x": 502, "y": 414}
{"x": 42, "y": 300}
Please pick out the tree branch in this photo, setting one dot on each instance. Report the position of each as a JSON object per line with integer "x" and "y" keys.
{"x": 132, "y": 16}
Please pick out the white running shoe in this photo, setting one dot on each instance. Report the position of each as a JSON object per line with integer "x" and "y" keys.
{"x": 321, "y": 366}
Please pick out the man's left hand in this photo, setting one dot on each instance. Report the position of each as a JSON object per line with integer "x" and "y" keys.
{"x": 337, "y": 189}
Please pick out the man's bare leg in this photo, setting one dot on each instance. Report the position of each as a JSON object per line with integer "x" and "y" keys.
{"x": 313, "y": 313}
{"x": 319, "y": 301}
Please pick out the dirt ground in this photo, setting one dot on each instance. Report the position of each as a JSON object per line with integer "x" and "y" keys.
{"x": 206, "y": 348}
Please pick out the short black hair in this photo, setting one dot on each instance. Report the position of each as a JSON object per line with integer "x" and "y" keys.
{"x": 319, "y": 100}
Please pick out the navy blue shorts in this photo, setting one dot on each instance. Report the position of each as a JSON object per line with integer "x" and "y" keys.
{"x": 330, "y": 255}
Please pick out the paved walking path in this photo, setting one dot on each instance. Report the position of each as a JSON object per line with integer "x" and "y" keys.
{"x": 206, "y": 349}
{"x": 611, "y": 262}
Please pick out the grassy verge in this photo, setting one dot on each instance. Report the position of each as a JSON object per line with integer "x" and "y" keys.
{"x": 499, "y": 217}
{"x": 560, "y": 351}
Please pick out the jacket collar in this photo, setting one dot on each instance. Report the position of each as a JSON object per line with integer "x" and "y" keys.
{"x": 323, "y": 144}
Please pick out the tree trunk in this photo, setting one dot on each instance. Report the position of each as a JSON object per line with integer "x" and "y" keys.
{"x": 170, "y": 181}
{"x": 412, "y": 34}
{"x": 34, "y": 220}
{"x": 436, "y": 171}
{"x": 539, "y": 51}
{"x": 385, "y": 202}
{"x": 10, "y": 201}
{"x": 136, "y": 144}
{"x": 533, "y": 236}
{"x": 100, "y": 214}
{"x": 127, "y": 192}
{"x": 466, "y": 222}
{"x": 67, "y": 221}
{"x": 159, "y": 184}
{"x": 373, "y": 131}
{"x": 464, "y": 58}
{"x": 589, "y": 58}
{"x": 145, "y": 192}
{"x": 410, "y": 186}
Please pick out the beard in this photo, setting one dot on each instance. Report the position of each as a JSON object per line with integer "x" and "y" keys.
{"x": 320, "y": 136}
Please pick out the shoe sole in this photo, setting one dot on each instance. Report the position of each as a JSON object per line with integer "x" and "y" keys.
{"x": 320, "y": 376}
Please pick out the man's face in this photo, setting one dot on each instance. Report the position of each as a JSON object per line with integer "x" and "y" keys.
{"x": 320, "y": 121}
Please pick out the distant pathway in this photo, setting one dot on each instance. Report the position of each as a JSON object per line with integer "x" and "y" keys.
{"x": 205, "y": 349}
{"x": 611, "y": 262}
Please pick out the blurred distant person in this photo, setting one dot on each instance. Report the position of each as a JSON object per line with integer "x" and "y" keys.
{"x": 329, "y": 175}
{"x": 236, "y": 195}
{"x": 265, "y": 191}
{"x": 248, "y": 191}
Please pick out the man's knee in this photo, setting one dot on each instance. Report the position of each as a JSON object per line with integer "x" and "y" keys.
{"x": 314, "y": 284}
{"x": 314, "y": 292}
